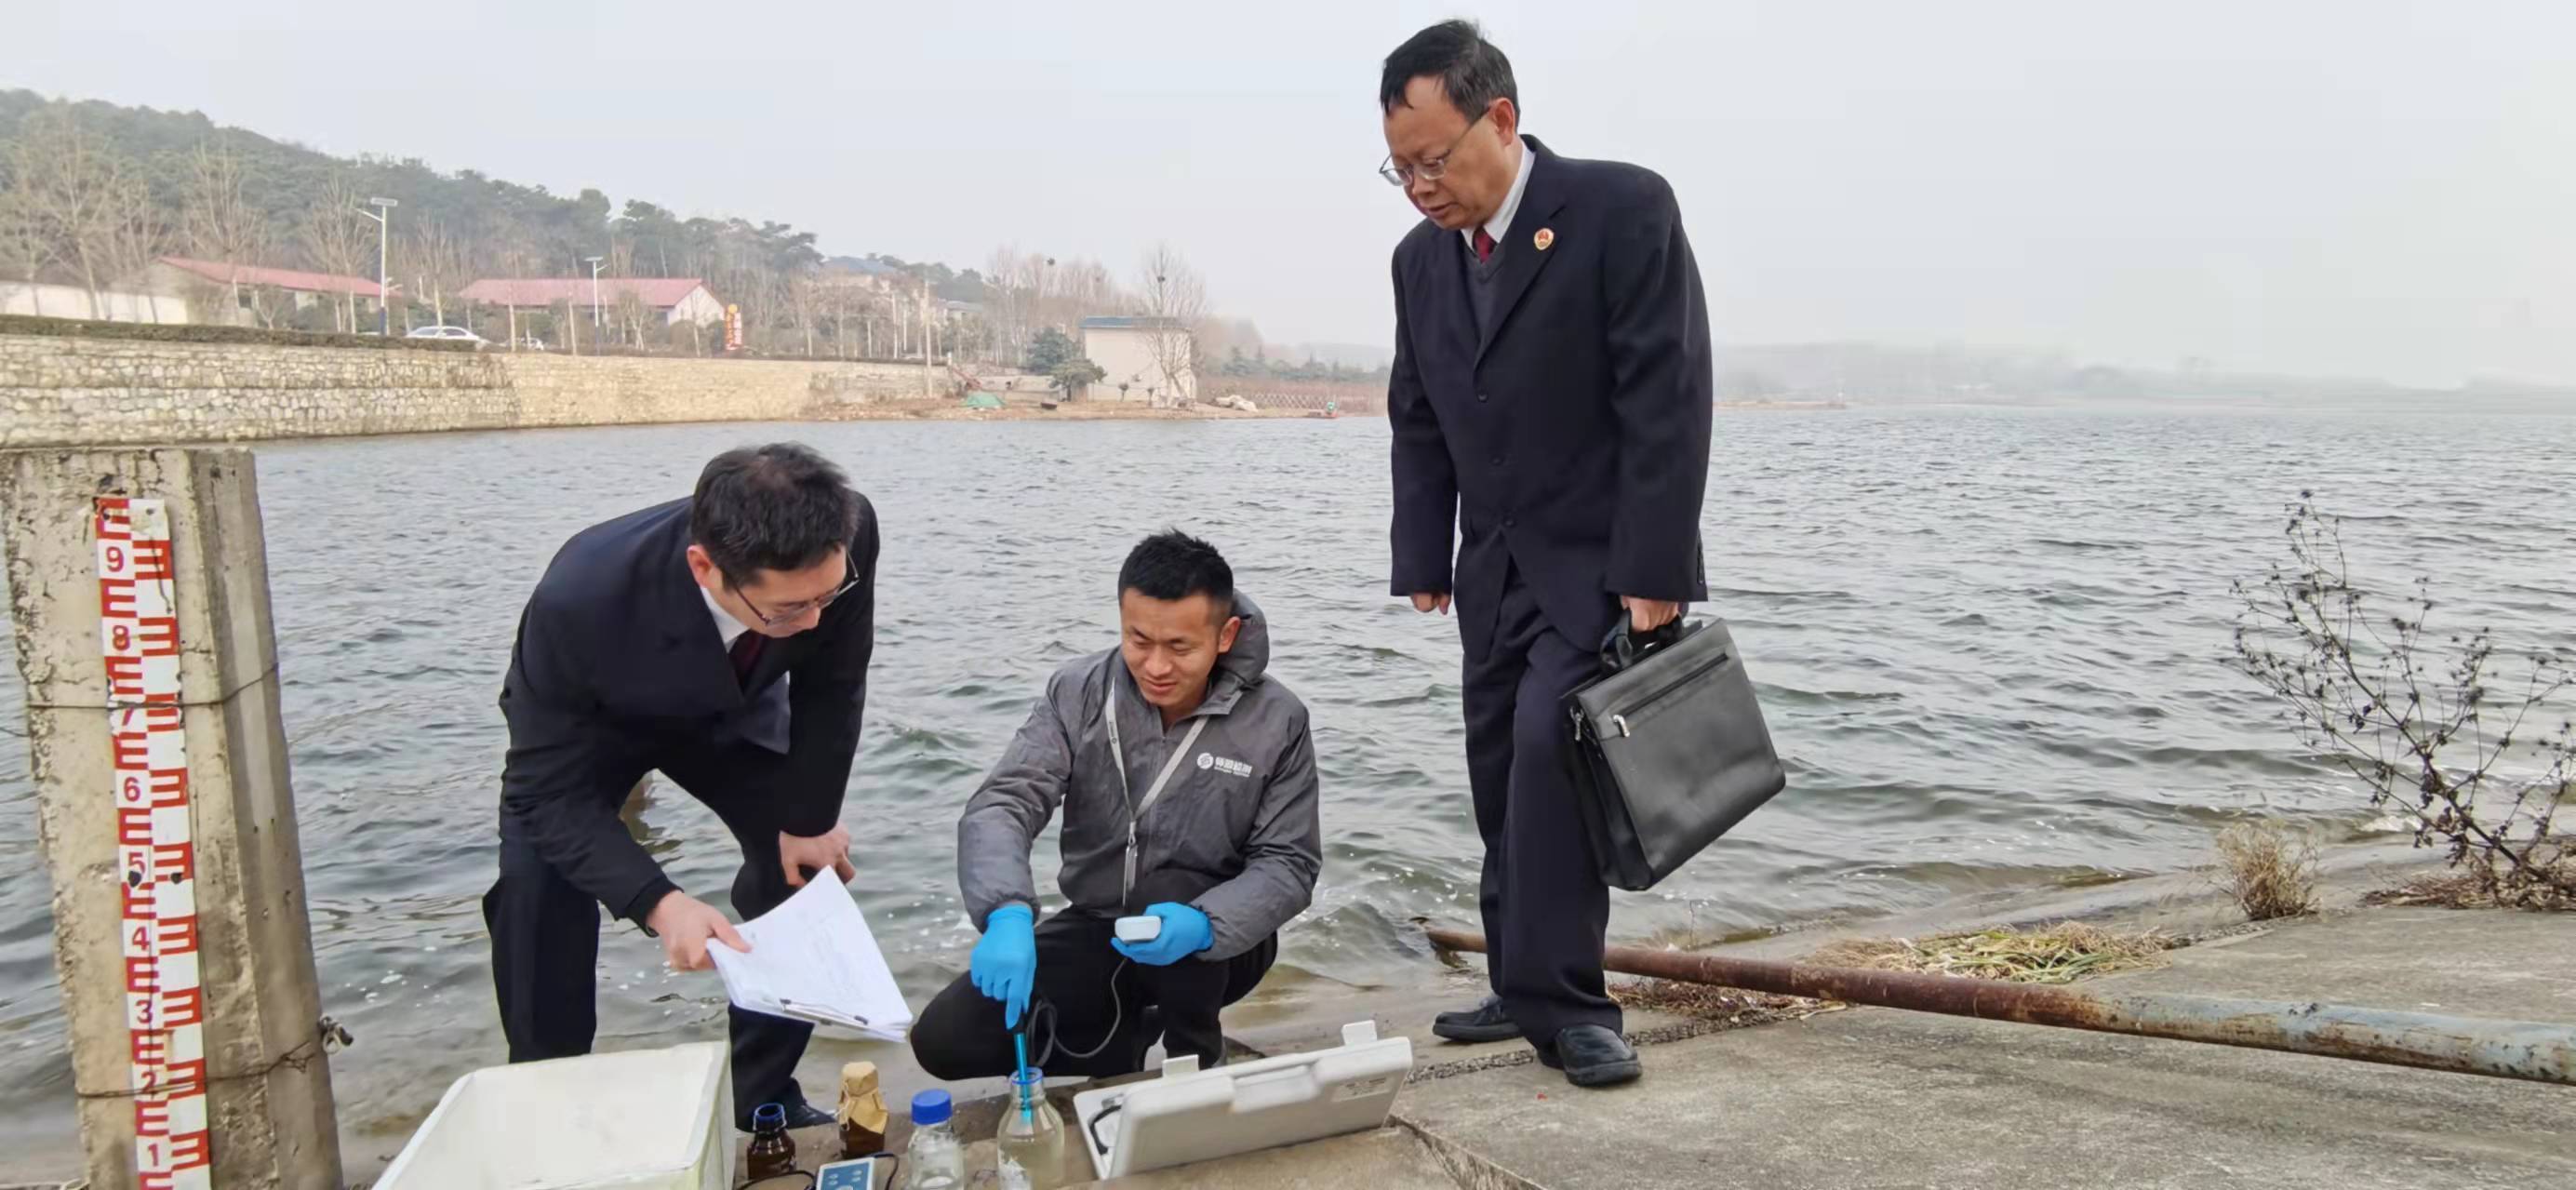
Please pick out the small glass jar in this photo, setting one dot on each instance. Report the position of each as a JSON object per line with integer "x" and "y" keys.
{"x": 772, "y": 1152}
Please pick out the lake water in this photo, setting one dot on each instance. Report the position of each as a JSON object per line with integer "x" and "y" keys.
{"x": 1991, "y": 645}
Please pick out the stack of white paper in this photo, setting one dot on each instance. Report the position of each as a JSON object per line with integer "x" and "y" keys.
{"x": 812, "y": 958}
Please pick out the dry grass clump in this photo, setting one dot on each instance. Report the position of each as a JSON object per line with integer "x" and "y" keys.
{"x": 2269, "y": 869}
{"x": 2477, "y": 890}
{"x": 2446, "y": 890}
{"x": 1700, "y": 1001}
{"x": 2062, "y": 953}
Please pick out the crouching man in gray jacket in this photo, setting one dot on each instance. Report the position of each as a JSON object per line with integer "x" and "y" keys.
{"x": 1187, "y": 779}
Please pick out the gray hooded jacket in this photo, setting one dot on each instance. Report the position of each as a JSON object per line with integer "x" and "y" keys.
{"x": 1240, "y": 804}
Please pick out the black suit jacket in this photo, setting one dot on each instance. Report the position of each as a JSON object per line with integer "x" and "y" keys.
{"x": 618, "y": 662}
{"x": 1573, "y": 440}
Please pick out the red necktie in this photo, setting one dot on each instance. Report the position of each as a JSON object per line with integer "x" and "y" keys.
{"x": 1484, "y": 246}
{"x": 745, "y": 654}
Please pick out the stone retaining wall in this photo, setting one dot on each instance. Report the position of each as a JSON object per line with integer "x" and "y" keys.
{"x": 93, "y": 391}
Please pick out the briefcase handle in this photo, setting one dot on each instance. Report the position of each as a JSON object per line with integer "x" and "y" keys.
{"x": 1623, "y": 648}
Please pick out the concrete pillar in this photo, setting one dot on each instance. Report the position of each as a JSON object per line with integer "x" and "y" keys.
{"x": 265, "y": 1078}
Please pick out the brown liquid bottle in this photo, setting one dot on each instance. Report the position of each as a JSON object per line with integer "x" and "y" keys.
{"x": 863, "y": 1111}
{"x": 772, "y": 1152}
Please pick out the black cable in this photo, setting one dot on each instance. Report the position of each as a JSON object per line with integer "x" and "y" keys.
{"x": 1055, "y": 1039}
{"x": 1113, "y": 1107}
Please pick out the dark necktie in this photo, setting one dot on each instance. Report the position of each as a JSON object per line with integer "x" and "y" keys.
{"x": 745, "y": 654}
{"x": 1484, "y": 246}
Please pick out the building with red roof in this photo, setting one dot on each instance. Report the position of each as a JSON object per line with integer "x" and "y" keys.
{"x": 675, "y": 299}
{"x": 224, "y": 292}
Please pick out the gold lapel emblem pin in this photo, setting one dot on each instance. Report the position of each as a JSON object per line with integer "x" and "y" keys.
{"x": 1545, "y": 237}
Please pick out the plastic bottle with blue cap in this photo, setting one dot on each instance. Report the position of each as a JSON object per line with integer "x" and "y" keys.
{"x": 934, "y": 1160}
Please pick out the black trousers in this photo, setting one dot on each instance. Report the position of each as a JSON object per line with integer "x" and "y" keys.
{"x": 545, "y": 932}
{"x": 961, "y": 1036}
{"x": 1545, "y": 908}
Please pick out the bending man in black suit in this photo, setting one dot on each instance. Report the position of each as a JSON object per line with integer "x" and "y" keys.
{"x": 723, "y": 641}
{"x": 1551, "y": 403}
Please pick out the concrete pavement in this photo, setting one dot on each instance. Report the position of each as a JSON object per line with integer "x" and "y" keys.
{"x": 1880, "y": 1098}
{"x": 1877, "y": 1098}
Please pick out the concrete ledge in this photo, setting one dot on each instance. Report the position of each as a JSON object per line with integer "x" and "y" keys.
{"x": 1879, "y": 1098}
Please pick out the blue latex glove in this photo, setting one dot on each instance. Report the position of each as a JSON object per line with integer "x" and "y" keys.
{"x": 1005, "y": 965}
{"x": 1185, "y": 932}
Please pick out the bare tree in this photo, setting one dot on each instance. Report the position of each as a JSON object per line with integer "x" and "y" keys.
{"x": 2477, "y": 763}
{"x": 218, "y": 223}
{"x": 335, "y": 239}
{"x": 836, "y": 305}
{"x": 439, "y": 260}
{"x": 1172, "y": 297}
{"x": 631, "y": 313}
{"x": 629, "y": 303}
{"x": 805, "y": 304}
{"x": 22, "y": 248}
{"x": 1083, "y": 288}
{"x": 513, "y": 253}
{"x": 135, "y": 240}
{"x": 69, "y": 190}
{"x": 1031, "y": 290}
{"x": 1222, "y": 338}
{"x": 270, "y": 306}
{"x": 1011, "y": 297}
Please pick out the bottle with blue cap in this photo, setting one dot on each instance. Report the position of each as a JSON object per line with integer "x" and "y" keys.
{"x": 934, "y": 1160}
{"x": 772, "y": 1152}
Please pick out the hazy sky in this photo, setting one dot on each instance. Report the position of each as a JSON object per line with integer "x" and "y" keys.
{"x": 2336, "y": 186}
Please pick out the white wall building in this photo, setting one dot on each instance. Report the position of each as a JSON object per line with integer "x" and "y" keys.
{"x": 72, "y": 301}
{"x": 1135, "y": 353}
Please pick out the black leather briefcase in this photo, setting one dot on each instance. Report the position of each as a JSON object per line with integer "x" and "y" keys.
{"x": 1669, "y": 749}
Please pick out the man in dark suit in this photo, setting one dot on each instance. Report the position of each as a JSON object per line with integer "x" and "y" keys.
{"x": 1551, "y": 403}
{"x": 723, "y": 641}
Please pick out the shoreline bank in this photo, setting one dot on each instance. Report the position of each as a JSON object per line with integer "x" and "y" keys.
{"x": 72, "y": 392}
{"x": 1733, "y": 1088}
{"x": 1068, "y": 411}
{"x": 1309, "y": 1013}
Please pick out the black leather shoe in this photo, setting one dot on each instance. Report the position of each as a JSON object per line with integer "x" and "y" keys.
{"x": 800, "y": 1114}
{"x": 1485, "y": 1022}
{"x": 1591, "y": 1056}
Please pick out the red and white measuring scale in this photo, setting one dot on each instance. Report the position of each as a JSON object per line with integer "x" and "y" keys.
{"x": 156, "y": 854}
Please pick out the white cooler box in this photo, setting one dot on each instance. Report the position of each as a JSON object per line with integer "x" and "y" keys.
{"x": 637, "y": 1120}
{"x": 1190, "y": 1114}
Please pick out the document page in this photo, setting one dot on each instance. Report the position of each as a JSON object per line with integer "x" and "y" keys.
{"x": 812, "y": 958}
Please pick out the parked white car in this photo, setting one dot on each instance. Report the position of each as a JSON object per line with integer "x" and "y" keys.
{"x": 448, "y": 332}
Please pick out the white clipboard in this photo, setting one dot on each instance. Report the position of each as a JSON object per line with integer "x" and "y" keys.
{"x": 813, "y": 959}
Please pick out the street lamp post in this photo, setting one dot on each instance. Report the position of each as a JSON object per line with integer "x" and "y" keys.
{"x": 384, "y": 228}
{"x": 594, "y": 295}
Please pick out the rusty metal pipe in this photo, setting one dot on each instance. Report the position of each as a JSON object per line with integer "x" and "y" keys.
{"x": 2466, "y": 1045}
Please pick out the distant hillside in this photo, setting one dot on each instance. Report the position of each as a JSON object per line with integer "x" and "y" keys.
{"x": 1881, "y": 373}
{"x": 1367, "y": 357}
{"x": 88, "y": 190}
{"x": 280, "y": 180}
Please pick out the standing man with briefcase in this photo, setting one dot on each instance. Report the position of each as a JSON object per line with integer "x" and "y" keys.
{"x": 1551, "y": 404}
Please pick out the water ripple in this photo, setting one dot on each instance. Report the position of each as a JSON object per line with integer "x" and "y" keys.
{"x": 1990, "y": 646}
